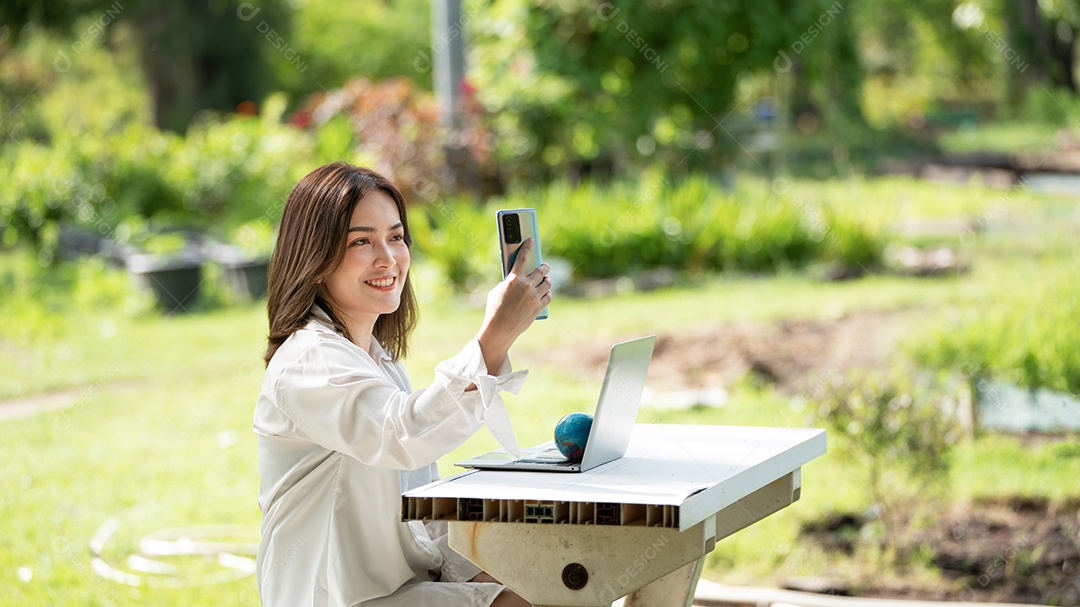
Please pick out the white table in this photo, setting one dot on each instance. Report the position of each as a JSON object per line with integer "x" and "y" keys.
{"x": 638, "y": 526}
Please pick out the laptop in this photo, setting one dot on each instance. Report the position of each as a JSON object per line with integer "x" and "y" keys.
{"x": 612, "y": 424}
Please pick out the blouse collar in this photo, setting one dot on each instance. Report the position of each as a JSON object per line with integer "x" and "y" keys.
{"x": 318, "y": 315}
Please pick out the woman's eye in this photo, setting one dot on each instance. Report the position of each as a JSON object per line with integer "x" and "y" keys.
{"x": 359, "y": 241}
{"x": 398, "y": 237}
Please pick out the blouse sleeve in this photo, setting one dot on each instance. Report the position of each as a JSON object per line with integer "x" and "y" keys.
{"x": 455, "y": 568}
{"x": 339, "y": 399}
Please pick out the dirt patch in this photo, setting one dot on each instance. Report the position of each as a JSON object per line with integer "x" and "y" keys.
{"x": 790, "y": 354}
{"x": 1018, "y": 550}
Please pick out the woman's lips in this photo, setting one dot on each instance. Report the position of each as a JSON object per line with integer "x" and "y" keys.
{"x": 387, "y": 283}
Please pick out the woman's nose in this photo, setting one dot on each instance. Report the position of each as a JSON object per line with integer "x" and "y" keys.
{"x": 383, "y": 257}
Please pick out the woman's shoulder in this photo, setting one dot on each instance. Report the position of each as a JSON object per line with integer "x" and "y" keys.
{"x": 317, "y": 343}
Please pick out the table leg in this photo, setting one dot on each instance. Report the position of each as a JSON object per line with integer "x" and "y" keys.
{"x": 675, "y": 589}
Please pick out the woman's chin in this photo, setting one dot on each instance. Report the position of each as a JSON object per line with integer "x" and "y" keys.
{"x": 389, "y": 307}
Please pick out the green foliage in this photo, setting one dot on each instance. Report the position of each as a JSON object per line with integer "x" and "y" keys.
{"x": 855, "y": 241}
{"x": 1056, "y": 107}
{"x": 393, "y": 127}
{"x": 41, "y": 300}
{"x": 239, "y": 169}
{"x": 459, "y": 237}
{"x": 98, "y": 286}
{"x": 93, "y": 165}
{"x": 693, "y": 226}
{"x": 580, "y": 84}
{"x": 254, "y": 238}
{"x": 336, "y": 42}
{"x": 891, "y": 421}
{"x": 1006, "y": 137}
{"x": 918, "y": 56}
{"x": 193, "y": 55}
{"x": 1028, "y": 337}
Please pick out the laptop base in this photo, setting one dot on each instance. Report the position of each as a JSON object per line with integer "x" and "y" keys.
{"x": 543, "y": 458}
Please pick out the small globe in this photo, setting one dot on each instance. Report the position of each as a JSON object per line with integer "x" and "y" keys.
{"x": 572, "y": 433}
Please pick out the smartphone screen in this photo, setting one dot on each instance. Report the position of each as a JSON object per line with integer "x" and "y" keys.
{"x": 515, "y": 227}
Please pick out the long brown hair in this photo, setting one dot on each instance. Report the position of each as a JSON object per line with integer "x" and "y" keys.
{"x": 310, "y": 246}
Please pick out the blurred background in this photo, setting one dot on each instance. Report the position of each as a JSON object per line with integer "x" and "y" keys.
{"x": 860, "y": 216}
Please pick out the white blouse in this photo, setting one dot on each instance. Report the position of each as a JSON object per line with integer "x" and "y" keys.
{"x": 341, "y": 435}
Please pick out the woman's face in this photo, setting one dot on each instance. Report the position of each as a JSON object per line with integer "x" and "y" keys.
{"x": 371, "y": 276}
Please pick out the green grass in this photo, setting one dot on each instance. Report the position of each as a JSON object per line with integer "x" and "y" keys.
{"x": 159, "y": 433}
{"x": 1028, "y": 337}
{"x": 148, "y": 437}
{"x": 1005, "y": 137}
{"x": 68, "y": 471}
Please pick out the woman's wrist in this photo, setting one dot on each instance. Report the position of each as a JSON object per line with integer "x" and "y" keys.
{"x": 494, "y": 348}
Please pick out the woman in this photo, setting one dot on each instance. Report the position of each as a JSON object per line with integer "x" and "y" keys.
{"x": 341, "y": 431}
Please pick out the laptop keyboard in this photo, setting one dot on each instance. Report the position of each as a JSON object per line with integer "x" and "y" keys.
{"x": 550, "y": 456}
{"x": 566, "y": 463}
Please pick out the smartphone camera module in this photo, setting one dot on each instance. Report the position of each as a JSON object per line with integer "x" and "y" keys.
{"x": 511, "y": 228}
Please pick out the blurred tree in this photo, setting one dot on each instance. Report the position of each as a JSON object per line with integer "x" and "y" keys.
{"x": 1042, "y": 35}
{"x": 937, "y": 53}
{"x": 377, "y": 40}
{"x": 923, "y": 51}
{"x": 195, "y": 54}
{"x": 596, "y": 86}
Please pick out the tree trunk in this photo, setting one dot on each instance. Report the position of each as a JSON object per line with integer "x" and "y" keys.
{"x": 199, "y": 55}
{"x": 165, "y": 67}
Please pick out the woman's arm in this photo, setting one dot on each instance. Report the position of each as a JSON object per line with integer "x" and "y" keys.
{"x": 340, "y": 400}
{"x": 512, "y": 307}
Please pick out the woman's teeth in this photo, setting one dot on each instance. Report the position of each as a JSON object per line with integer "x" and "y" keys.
{"x": 382, "y": 282}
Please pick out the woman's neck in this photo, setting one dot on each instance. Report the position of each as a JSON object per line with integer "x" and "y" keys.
{"x": 360, "y": 333}
{"x": 360, "y": 327}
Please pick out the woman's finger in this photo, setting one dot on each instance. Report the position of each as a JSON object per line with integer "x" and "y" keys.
{"x": 538, "y": 275}
{"x": 544, "y": 289}
{"x": 522, "y": 253}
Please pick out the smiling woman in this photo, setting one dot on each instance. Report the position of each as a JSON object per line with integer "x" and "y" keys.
{"x": 371, "y": 276}
{"x": 316, "y": 243}
{"x": 341, "y": 431}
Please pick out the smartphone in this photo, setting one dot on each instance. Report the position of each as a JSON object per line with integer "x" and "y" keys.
{"x": 515, "y": 226}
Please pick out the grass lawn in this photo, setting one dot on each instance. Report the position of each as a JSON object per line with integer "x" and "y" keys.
{"x": 160, "y": 435}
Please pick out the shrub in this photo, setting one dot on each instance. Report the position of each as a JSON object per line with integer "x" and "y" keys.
{"x": 1027, "y": 337}
{"x": 627, "y": 227}
{"x": 892, "y": 422}
{"x": 854, "y": 242}
{"x": 395, "y": 126}
{"x": 459, "y": 237}
{"x": 225, "y": 172}
{"x": 239, "y": 169}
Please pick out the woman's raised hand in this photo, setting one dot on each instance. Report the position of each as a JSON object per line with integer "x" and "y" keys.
{"x": 512, "y": 307}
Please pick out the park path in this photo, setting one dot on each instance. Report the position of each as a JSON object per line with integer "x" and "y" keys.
{"x": 17, "y": 408}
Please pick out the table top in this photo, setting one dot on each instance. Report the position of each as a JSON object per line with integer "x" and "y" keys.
{"x": 672, "y": 476}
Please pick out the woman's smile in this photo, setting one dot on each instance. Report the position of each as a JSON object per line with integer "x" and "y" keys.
{"x": 385, "y": 284}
